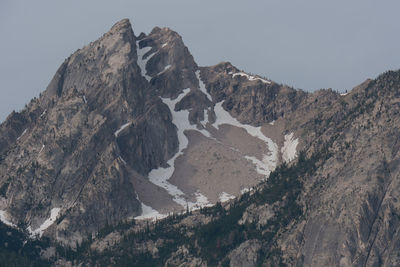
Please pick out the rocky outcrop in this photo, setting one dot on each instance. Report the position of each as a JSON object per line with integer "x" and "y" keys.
{"x": 182, "y": 257}
{"x": 250, "y": 98}
{"x": 351, "y": 208}
{"x": 71, "y": 149}
{"x": 245, "y": 255}
{"x": 83, "y": 152}
{"x": 348, "y": 212}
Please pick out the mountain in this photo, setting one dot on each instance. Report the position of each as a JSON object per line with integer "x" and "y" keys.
{"x": 250, "y": 172}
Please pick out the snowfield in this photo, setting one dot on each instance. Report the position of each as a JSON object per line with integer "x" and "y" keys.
{"x": 180, "y": 119}
{"x": 270, "y": 159}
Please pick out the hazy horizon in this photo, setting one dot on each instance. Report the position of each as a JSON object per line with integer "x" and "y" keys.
{"x": 305, "y": 44}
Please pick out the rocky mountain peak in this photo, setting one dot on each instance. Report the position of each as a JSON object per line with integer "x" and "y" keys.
{"x": 125, "y": 118}
{"x": 131, "y": 128}
{"x": 226, "y": 67}
{"x": 121, "y": 26}
{"x": 166, "y": 62}
{"x": 101, "y": 64}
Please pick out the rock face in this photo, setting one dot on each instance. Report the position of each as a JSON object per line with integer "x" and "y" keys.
{"x": 65, "y": 151}
{"x": 131, "y": 127}
{"x": 246, "y": 254}
{"x": 352, "y": 210}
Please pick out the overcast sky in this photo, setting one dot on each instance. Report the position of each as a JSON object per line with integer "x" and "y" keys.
{"x": 309, "y": 44}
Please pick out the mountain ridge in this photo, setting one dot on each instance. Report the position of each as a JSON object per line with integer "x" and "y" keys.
{"x": 131, "y": 127}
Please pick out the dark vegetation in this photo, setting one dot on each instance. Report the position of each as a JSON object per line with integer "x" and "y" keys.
{"x": 212, "y": 242}
{"x": 18, "y": 250}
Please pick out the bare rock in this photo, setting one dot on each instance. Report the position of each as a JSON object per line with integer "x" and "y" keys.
{"x": 246, "y": 254}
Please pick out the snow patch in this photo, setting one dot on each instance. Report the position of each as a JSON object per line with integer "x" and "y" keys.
{"x": 53, "y": 216}
{"x": 149, "y": 213}
{"x": 201, "y": 201}
{"x": 223, "y": 197}
{"x": 43, "y": 113}
{"x": 272, "y": 122}
{"x": 202, "y": 86}
{"x": 343, "y": 94}
{"x": 84, "y": 99}
{"x": 122, "y": 160}
{"x": 260, "y": 166}
{"x": 250, "y": 77}
{"x": 289, "y": 148}
{"x": 245, "y": 190}
{"x": 143, "y": 62}
{"x": 4, "y": 218}
{"x": 206, "y": 118}
{"x": 164, "y": 44}
{"x": 270, "y": 159}
{"x": 164, "y": 70}
{"x": 117, "y": 132}
{"x": 160, "y": 176}
{"x": 24, "y": 132}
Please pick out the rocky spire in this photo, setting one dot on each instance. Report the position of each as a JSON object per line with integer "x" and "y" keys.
{"x": 98, "y": 63}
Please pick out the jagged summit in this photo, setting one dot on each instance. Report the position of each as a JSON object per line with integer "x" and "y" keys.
{"x": 122, "y": 25}
{"x": 131, "y": 128}
{"x": 125, "y": 119}
{"x": 101, "y": 62}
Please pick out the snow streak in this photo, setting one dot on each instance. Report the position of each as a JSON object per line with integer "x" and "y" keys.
{"x": 250, "y": 77}
{"x": 161, "y": 175}
{"x": 46, "y": 224}
{"x": 117, "y": 132}
{"x": 142, "y": 62}
{"x": 203, "y": 86}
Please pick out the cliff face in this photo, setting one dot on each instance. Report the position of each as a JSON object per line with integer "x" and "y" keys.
{"x": 64, "y": 151}
{"x": 336, "y": 205}
{"x": 351, "y": 209}
{"x": 131, "y": 127}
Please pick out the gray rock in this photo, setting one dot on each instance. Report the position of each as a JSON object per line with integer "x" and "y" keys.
{"x": 246, "y": 254}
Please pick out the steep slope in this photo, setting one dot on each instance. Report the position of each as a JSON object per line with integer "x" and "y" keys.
{"x": 67, "y": 158}
{"x": 336, "y": 205}
{"x": 352, "y": 210}
{"x": 131, "y": 127}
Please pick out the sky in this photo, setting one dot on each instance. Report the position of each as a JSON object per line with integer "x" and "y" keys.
{"x": 307, "y": 44}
